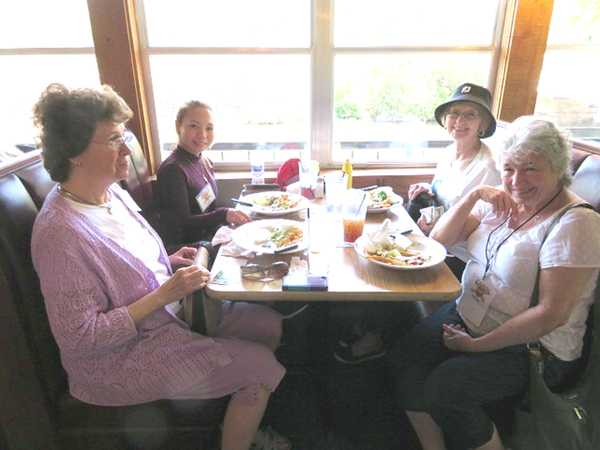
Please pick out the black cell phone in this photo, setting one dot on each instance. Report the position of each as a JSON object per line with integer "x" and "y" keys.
{"x": 304, "y": 283}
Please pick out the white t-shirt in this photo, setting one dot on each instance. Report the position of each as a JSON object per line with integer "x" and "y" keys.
{"x": 452, "y": 185}
{"x": 509, "y": 283}
{"x": 125, "y": 230}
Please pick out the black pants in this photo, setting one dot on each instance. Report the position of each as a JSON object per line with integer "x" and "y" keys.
{"x": 455, "y": 388}
{"x": 421, "y": 201}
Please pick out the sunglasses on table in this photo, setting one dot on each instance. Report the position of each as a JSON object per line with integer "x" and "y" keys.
{"x": 255, "y": 272}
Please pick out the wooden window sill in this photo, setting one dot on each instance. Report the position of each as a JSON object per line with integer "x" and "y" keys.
{"x": 397, "y": 178}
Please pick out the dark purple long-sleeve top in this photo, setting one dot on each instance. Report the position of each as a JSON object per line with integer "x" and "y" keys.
{"x": 180, "y": 179}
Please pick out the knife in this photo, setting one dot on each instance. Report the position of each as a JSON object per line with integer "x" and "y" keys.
{"x": 405, "y": 231}
{"x": 285, "y": 249}
{"x": 241, "y": 202}
{"x": 370, "y": 188}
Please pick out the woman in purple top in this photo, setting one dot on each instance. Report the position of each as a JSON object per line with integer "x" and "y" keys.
{"x": 186, "y": 182}
{"x": 112, "y": 298}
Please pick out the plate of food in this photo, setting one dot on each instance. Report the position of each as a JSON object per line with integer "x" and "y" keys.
{"x": 271, "y": 236}
{"x": 409, "y": 252}
{"x": 275, "y": 203}
{"x": 381, "y": 199}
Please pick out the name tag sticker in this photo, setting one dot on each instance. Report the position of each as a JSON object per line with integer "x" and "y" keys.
{"x": 476, "y": 300}
{"x": 205, "y": 197}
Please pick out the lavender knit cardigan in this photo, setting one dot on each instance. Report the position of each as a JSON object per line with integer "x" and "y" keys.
{"x": 87, "y": 281}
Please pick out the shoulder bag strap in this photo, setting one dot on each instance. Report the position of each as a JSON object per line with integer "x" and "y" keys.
{"x": 535, "y": 346}
{"x": 536, "y": 289}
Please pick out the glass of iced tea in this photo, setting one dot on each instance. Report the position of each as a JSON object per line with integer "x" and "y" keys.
{"x": 354, "y": 212}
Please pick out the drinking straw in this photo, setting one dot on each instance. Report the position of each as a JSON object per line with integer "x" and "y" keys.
{"x": 360, "y": 206}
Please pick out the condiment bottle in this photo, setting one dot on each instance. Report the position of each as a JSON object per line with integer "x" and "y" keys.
{"x": 347, "y": 169}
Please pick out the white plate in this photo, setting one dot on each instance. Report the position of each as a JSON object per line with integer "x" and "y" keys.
{"x": 302, "y": 203}
{"x": 390, "y": 192}
{"x": 427, "y": 246}
{"x": 245, "y": 236}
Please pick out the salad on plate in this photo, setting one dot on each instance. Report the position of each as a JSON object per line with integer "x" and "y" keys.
{"x": 270, "y": 235}
{"x": 381, "y": 199}
{"x": 398, "y": 251}
{"x": 275, "y": 203}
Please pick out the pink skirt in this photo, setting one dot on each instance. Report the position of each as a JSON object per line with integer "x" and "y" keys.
{"x": 243, "y": 331}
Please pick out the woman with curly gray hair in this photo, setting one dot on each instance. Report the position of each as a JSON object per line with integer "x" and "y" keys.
{"x": 472, "y": 353}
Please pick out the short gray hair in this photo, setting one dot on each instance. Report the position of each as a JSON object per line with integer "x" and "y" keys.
{"x": 528, "y": 135}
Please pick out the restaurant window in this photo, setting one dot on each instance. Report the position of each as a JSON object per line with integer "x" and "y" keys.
{"x": 53, "y": 44}
{"x": 329, "y": 79}
{"x": 569, "y": 91}
{"x": 394, "y": 63}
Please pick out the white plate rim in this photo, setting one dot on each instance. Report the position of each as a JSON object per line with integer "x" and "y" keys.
{"x": 239, "y": 233}
{"x": 438, "y": 254}
{"x": 396, "y": 197}
{"x": 303, "y": 204}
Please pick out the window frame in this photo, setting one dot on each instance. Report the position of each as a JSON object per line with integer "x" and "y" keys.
{"x": 29, "y": 155}
{"x": 122, "y": 55}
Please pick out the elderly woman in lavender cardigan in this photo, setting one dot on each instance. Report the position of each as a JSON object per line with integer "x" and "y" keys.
{"x": 111, "y": 295}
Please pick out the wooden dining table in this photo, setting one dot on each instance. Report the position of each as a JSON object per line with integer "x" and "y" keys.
{"x": 350, "y": 277}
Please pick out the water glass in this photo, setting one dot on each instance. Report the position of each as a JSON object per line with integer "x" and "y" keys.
{"x": 308, "y": 173}
{"x": 335, "y": 188}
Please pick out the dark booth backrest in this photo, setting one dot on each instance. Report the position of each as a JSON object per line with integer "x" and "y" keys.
{"x": 586, "y": 182}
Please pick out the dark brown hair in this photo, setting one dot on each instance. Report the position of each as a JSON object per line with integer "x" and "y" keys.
{"x": 188, "y": 106}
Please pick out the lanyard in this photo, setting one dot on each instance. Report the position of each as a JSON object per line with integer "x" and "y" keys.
{"x": 489, "y": 256}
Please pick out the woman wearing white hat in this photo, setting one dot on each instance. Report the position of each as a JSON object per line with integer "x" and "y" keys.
{"x": 467, "y": 118}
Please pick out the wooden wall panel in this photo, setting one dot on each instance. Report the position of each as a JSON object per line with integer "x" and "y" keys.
{"x": 116, "y": 41}
{"x": 521, "y": 57}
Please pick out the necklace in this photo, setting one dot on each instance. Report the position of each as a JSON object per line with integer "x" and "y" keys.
{"x": 489, "y": 256}
{"x": 62, "y": 191}
{"x": 193, "y": 165}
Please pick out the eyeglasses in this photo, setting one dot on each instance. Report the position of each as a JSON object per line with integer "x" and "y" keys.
{"x": 468, "y": 116}
{"x": 117, "y": 143}
{"x": 255, "y": 272}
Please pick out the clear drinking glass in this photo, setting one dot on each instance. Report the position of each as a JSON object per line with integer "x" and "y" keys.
{"x": 309, "y": 173}
{"x": 354, "y": 213}
{"x": 335, "y": 188}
